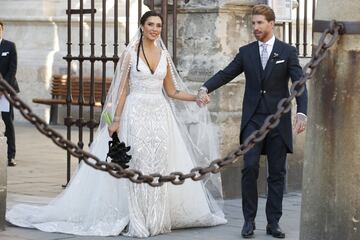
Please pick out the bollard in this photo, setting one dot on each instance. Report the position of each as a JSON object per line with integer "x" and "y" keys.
{"x": 331, "y": 194}
{"x": 3, "y": 177}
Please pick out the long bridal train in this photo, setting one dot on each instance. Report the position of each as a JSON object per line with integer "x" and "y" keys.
{"x": 95, "y": 203}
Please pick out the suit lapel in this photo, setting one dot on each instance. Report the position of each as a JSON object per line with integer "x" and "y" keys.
{"x": 256, "y": 59}
{"x": 2, "y": 45}
{"x": 2, "y": 48}
{"x": 271, "y": 62}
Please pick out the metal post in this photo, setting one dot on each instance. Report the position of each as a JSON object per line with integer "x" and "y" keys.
{"x": 331, "y": 194}
{"x": 290, "y": 33}
{"x": 127, "y": 24}
{"x": 103, "y": 55}
{"x": 164, "y": 12}
{"x": 81, "y": 90}
{"x": 68, "y": 120}
{"x": 151, "y": 4}
{"x": 174, "y": 30}
{"x": 92, "y": 68}
{"x": 297, "y": 41}
{"x": 139, "y": 11}
{"x": 305, "y": 29}
{"x": 283, "y": 25}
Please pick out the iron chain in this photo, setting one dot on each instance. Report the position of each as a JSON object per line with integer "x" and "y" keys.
{"x": 328, "y": 39}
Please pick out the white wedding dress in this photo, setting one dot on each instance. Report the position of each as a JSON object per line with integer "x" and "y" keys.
{"x": 95, "y": 203}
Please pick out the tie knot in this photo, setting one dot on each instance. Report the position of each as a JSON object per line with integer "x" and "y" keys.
{"x": 263, "y": 45}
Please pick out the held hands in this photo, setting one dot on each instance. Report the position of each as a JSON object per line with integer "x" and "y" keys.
{"x": 202, "y": 98}
{"x": 300, "y": 123}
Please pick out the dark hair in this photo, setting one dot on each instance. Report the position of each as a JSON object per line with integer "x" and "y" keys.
{"x": 265, "y": 10}
{"x": 1, "y": 24}
{"x": 143, "y": 19}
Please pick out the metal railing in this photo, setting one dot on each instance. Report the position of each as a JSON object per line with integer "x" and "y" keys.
{"x": 298, "y": 32}
{"x": 164, "y": 8}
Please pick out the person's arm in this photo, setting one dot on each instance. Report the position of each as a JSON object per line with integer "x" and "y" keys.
{"x": 123, "y": 92}
{"x": 172, "y": 92}
{"x": 10, "y": 75}
{"x": 221, "y": 78}
{"x": 296, "y": 73}
{"x": 114, "y": 127}
{"x": 224, "y": 76}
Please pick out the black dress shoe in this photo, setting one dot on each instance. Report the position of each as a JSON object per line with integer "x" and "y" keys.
{"x": 275, "y": 230}
{"x": 248, "y": 229}
{"x": 11, "y": 163}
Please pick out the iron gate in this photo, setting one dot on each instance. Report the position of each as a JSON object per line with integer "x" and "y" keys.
{"x": 86, "y": 13}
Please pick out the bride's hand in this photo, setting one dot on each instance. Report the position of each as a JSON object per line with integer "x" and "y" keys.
{"x": 114, "y": 127}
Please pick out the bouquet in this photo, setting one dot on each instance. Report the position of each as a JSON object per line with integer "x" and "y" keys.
{"x": 117, "y": 150}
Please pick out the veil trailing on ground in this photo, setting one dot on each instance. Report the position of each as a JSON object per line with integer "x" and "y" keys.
{"x": 95, "y": 203}
{"x": 194, "y": 123}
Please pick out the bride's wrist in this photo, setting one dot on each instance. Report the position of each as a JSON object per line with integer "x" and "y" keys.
{"x": 116, "y": 118}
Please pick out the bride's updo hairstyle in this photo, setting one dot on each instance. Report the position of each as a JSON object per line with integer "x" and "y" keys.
{"x": 142, "y": 22}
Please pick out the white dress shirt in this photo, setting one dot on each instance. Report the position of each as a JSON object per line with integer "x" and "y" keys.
{"x": 269, "y": 45}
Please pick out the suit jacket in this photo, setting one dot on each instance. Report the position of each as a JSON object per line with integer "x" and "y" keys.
{"x": 269, "y": 85}
{"x": 8, "y": 63}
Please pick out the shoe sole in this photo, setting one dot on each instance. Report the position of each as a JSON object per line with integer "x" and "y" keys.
{"x": 268, "y": 232}
{"x": 249, "y": 236}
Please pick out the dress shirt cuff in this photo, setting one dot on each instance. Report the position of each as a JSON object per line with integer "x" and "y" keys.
{"x": 303, "y": 114}
{"x": 203, "y": 88}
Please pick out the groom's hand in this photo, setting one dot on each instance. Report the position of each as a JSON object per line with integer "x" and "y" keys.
{"x": 300, "y": 123}
{"x": 202, "y": 98}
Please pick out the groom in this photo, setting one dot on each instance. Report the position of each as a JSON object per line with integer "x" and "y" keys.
{"x": 268, "y": 64}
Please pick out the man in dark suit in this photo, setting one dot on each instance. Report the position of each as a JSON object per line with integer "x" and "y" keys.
{"x": 268, "y": 64}
{"x": 8, "y": 66}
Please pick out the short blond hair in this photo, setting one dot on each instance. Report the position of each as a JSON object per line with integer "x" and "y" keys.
{"x": 265, "y": 10}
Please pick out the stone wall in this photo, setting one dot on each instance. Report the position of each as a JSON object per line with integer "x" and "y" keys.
{"x": 209, "y": 36}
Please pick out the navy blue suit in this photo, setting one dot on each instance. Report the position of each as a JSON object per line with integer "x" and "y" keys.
{"x": 263, "y": 90}
{"x": 8, "y": 67}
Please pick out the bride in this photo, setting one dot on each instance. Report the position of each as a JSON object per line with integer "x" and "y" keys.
{"x": 165, "y": 135}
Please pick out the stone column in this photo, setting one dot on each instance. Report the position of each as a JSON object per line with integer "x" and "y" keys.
{"x": 210, "y": 33}
{"x": 3, "y": 168}
{"x": 331, "y": 192}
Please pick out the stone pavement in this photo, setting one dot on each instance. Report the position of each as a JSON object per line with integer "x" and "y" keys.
{"x": 41, "y": 170}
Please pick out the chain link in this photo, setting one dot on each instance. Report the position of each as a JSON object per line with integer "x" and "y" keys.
{"x": 328, "y": 39}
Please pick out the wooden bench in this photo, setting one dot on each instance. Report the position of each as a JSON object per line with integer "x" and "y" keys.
{"x": 59, "y": 92}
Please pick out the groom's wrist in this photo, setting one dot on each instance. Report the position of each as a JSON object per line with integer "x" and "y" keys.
{"x": 204, "y": 89}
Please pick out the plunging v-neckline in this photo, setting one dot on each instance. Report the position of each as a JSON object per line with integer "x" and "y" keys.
{"x": 157, "y": 66}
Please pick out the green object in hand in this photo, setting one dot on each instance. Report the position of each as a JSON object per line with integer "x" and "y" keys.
{"x": 107, "y": 118}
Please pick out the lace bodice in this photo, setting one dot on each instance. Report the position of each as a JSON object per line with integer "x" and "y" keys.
{"x": 144, "y": 81}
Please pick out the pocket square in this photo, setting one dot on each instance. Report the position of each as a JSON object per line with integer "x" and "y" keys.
{"x": 280, "y": 61}
{"x": 3, "y": 54}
